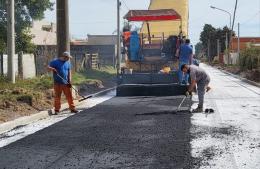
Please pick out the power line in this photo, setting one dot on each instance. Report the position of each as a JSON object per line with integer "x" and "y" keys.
{"x": 125, "y": 4}
{"x": 250, "y": 19}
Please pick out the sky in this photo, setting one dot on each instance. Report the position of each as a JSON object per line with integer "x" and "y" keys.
{"x": 99, "y": 16}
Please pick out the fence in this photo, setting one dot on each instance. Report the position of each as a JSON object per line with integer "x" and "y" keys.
{"x": 24, "y": 65}
{"x": 234, "y": 59}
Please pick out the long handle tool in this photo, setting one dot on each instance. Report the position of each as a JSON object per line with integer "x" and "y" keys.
{"x": 181, "y": 104}
{"x": 83, "y": 97}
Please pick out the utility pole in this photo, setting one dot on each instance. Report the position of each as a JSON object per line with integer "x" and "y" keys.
{"x": 238, "y": 40}
{"x": 10, "y": 39}
{"x": 118, "y": 38}
{"x": 227, "y": 49}
{"x": 228, "y": 42}
{"x": 218, "y": 47}
{"x": 209, "y": 51}
{"x": 234, "y": 16}
{"x": 1, "y": 63}
{"x": 63, "y": 39}
{"x": 231, "y": 32}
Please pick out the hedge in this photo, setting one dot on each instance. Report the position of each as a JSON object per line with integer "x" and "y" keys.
{"x": 250, "y": 59}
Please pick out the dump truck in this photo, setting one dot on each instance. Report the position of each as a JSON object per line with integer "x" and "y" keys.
{"x": 151, "y": 54}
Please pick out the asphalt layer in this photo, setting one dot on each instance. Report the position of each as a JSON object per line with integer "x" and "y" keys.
{"x": 146, "y": 132}
{"x": 131, "y": 132}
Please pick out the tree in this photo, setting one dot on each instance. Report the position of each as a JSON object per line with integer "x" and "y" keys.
{"x": 25, "y": 12}
{"x": 209, "y": 37}
{"x": 199, "y": 50}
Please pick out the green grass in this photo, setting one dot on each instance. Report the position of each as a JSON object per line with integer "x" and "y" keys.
{"x": 29, "y": 88}
{"x": 34, "y": 88}
{"x": 37, "y": 83}
{"x": 89, "y": 76}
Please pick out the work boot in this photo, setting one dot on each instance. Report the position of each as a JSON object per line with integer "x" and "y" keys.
{"x": 208, "y": 89}
{"x": 56, "y": 112}
{"x": 74, "y": 111}
{"x": 199, "y": 109}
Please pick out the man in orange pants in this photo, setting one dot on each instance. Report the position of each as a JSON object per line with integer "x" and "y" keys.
{"x": 61, "y": 67}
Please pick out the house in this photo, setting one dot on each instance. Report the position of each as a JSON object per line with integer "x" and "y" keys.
{"x": 44, "y": 33}
{"x": 245, "y": 42}
{"x": 44, "y": 37}
{"x": 103, "y": 45}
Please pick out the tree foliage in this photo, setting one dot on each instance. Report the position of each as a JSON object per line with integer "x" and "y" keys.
{"x": 209, "y": 37}
{"x": 199, "y": 49}
{"x": 25, "y": 12}
{"x": 250, "y": 59}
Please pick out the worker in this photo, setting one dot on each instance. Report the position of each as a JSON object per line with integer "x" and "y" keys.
{"x": 165, "y": 70}
{"x": 126, "y": 41}
{"x": 201, "y": 78}
{"x": 186, "y": 54}
{"x": 61, "y": 66}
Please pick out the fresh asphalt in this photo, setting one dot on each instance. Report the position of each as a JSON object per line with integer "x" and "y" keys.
{"x": 145, "y": 132}
{"x": 141, "y": 132}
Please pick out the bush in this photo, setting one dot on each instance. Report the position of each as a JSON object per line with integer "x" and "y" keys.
{"x": 250, "y": 59}
{"x": 3, "y": 79}
{"x": 26, "y": 99}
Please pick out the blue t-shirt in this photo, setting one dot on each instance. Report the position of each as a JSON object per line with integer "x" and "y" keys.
{"x": 63, "y": 68}
{"x": 185, "y": 52}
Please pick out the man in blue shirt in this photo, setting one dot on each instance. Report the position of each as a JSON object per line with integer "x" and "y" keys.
{"x": 61, "y": 67}
{"x": 186, "y": 53}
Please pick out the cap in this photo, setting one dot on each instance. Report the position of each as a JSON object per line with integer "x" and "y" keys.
{"x": 67, "y": 54}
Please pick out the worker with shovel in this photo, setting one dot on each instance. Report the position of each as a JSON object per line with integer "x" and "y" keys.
{"x": 61, "y": 69}
{"x": 201, "y": 78}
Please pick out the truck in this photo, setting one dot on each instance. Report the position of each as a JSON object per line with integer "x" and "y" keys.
{"x": 151, "y": 54}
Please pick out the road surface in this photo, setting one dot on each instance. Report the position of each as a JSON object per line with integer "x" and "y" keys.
{"x": 145, "y": 132}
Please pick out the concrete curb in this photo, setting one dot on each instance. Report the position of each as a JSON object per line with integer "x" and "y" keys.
{"x": 8, "y": 126}
{"x": 101, "y": 93}
{"x": 241, "y": 78}
{"x": 22, "y": 121}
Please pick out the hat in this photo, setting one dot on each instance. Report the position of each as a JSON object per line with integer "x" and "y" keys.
{"x": 67, "y": 54}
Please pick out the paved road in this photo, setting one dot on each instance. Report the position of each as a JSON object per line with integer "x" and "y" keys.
{"x": 120, "y": 133}
{"x": 144, "y": 132}
{"x": 229, "y": 138}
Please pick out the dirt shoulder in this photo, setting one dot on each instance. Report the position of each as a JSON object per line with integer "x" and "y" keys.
{"x": 253, "y": 75}
{"x": 30, "y": 96}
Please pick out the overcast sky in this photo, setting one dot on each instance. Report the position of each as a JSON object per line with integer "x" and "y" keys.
{"x": 99, "y": 16}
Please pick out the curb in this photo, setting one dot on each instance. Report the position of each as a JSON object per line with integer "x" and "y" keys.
{"x": 101, "y": 93}
{"x": 22, "y": 121}
{"x": 241, "y": 78}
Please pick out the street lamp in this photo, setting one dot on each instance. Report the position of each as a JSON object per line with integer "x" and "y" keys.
{"x": 118, "y": 38}
{"x": 230, "y": 15}
{"x": 230, "y": 25}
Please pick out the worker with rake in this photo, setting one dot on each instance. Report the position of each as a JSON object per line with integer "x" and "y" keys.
{"x": 61, "y": 68}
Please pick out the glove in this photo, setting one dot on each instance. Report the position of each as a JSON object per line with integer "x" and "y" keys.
{"x": 69, "y": 85}
{"x": 54, "y": 70}
{"x": 188, "y": 93}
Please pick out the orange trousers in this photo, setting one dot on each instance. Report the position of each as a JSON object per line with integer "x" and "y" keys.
{"x": 58, "y": 89}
